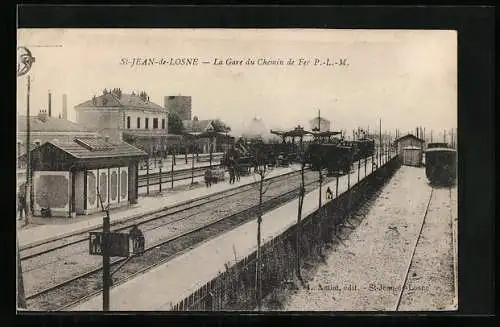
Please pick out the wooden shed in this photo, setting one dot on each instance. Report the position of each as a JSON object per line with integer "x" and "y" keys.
{"x": 67, "y": 176}
{"x": 409, "y": 140}
{"x": 412, "y": 156}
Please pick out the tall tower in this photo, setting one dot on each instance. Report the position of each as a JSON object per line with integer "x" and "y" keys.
{"x": 179, "y": 104}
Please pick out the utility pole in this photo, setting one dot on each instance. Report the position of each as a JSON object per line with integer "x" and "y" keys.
{"x": 172, "y": 170}
{"x": 380, "y": 140}
{"x": 192, "y": 164}
{"x": 24, "y": 62}
{"x": 28, "y": 154}
{"x": 106, "y": 278}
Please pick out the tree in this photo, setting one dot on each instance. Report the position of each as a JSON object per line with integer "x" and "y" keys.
{"x": 302, "y": 194}
{"x": 175, "y": 123}
{"x": 220, "y": 127}
{"x": 261, "y": 171}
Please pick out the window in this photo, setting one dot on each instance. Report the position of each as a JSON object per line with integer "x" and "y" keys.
{"x": 138, "y": 122}
{"x": 128, "y": 122}
{"x": 155, "y": 123}
{"x": 146, "y": 123}
{"x": 37, "y": 142}
{"x": 163, "y": 123}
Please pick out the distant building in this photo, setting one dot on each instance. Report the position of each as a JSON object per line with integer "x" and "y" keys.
{"x": 408, "y": 140}
{"x": 131, "y": 117}
{"x": 319, "y": 124}
{"x": 179, "y": 104}
{"x": 204, "y": 125}
{"x": 44, "y": 128}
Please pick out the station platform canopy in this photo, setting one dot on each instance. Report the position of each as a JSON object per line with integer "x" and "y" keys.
{"x": 298, "y": 131}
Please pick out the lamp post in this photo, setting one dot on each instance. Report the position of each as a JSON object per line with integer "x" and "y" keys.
{"x": 25, "y": 60}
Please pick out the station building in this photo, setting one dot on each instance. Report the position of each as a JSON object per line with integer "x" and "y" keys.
{"x": 130, "y": 117}
{"x": 71, "y": 177}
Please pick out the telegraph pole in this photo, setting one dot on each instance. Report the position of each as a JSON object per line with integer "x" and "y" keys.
{"x": 380, "y": 141}
{"x": 25, "y": 61}
{"x": 28, "y": 155}
{"x": 106, "y": 277}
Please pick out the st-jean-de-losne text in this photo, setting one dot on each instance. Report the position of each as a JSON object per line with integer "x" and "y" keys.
{"x": 160, "y": 61}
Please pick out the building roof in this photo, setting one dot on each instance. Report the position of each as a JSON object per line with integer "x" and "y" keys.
{"x": 50, "y": 124}
{"x": 197, "y": 126}
{"x": 149, "y": 133}
{"x": 409, "y": 136}
{"x": 128, "y": 101}
{"x": 95, "y": 147}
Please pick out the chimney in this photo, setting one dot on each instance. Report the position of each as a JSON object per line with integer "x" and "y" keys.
{"x": 42, "y": 115}
{"x": 50, "y": 104}
{"x": 64, "y": 107}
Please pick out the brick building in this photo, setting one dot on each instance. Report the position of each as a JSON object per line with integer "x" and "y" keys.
{"x": 129, "y": 117}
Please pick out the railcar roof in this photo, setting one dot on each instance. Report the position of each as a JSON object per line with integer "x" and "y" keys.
{"x": 441, "y": 150}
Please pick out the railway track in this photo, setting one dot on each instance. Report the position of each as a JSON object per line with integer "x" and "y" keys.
{"x": 166, "y": 176}
{"x": 416, "y": 273}
{"x": 76, "y": 289}
{"x": 37, "y": 249}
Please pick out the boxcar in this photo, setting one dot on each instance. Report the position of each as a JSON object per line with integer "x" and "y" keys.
{"x": 335, "y": 158}
{"x": 441, "y": 165}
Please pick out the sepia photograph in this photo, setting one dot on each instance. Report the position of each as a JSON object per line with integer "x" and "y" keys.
{"x": 259, "y": 170}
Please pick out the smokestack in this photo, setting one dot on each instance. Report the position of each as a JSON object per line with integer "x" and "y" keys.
{"x": 50, "y": 104}
{"x": 64, "y": 107}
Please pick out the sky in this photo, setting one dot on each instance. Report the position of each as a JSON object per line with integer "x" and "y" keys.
{"x": 406, "y": 78}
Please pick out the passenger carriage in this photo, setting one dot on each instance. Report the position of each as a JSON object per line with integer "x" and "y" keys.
{"x": 441, "y": 164}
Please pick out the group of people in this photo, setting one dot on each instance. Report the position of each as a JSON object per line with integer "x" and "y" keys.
{"x": 234, "y": 173}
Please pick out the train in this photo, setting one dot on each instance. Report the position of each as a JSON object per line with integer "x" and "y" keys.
{"x": 338, "y": 156}
{"x": 335, "y": 155}
{"x": 440, "y": 164}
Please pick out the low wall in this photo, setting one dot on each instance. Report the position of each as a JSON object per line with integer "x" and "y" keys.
{"x": 235, "y": 288}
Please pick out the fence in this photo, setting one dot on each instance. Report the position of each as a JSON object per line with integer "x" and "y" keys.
{"x": 235, "y": 288}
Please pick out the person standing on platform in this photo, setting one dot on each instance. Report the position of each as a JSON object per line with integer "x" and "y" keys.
{"x": 329, "y": 194}
{"x": 208, "y": 178}
{"x": 237, "y": 172}
{"x": 21, "y": 197}
{"x": 231, "y": 174}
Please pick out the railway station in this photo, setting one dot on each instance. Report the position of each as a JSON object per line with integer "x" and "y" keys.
{"x": 124, "y": 204}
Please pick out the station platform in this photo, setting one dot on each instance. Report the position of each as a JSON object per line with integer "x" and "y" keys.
{"x": 165, "y": 285}
{"x": 180, "y": 163}
{"x": 54, "y": 228}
